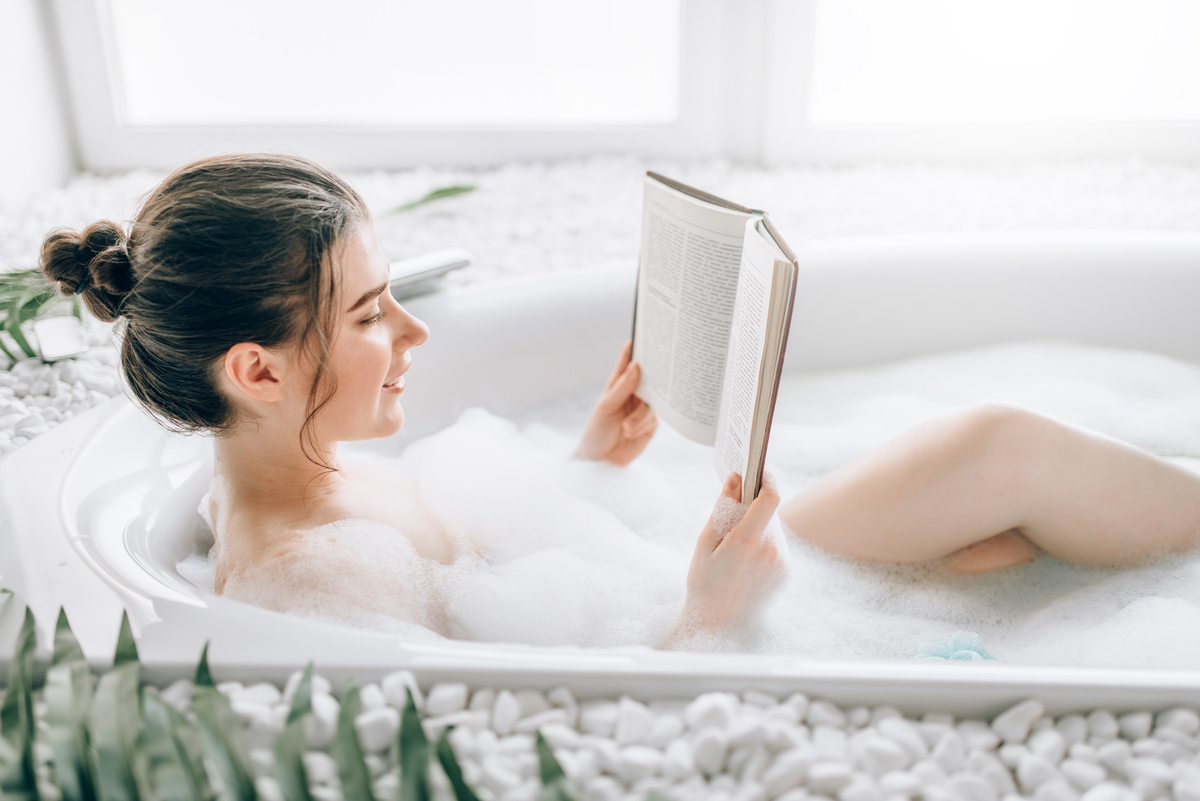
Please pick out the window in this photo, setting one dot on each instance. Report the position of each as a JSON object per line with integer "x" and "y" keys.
{"x": 373, "y": 63}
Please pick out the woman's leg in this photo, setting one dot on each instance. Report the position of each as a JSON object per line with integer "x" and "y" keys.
{"x": 991, "y": 481}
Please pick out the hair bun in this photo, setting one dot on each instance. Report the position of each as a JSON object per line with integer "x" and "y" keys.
{"x": 93, "y": 263}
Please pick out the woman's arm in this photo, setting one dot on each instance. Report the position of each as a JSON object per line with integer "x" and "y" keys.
{"x": 736, "y": 568}
{"x": 622, "y": 424}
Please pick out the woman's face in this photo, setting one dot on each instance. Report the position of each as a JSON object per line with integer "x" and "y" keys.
{"x": 372, "y": 336}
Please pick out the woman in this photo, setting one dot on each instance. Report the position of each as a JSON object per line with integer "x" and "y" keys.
{"x": 256, "y": 307}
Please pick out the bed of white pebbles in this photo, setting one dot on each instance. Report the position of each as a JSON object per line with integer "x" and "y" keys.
{"x": 751, "y": 747}
{"x": 539, "y": 217}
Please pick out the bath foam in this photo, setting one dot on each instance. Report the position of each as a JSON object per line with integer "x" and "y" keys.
{"x": 569, "y": 552}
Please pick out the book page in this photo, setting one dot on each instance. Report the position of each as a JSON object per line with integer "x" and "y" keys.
{"x": 687, "y": 279}
{"x": 744, "y": 367}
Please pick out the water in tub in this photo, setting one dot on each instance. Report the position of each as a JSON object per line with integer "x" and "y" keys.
{"x": 561, "y": 551}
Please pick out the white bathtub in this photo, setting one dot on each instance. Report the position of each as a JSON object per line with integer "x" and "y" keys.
{"x": 95, "y": 514}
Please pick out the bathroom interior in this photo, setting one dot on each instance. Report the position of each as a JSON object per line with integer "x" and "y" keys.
{"x": 988, "y": 202}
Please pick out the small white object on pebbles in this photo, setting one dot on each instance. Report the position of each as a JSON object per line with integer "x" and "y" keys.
{"x": 709, "y": 748}
{"x": 634, "y": 722}
{"x": 377, "y": 728}
{"x": 446, "y": 697}
{"x": 1012, "y": 725}
{"x": 1135, "y": 724}
{"x": 394, "y": 686}
{"x": 371, "y": 696}
{"x": 712, "y": 709}
{"x": 505, "y": 712}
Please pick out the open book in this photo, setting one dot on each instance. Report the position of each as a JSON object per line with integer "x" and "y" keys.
{"x": 716, "y": 285}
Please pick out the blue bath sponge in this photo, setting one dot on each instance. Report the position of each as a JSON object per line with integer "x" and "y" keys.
{"x": 961, "y": 646}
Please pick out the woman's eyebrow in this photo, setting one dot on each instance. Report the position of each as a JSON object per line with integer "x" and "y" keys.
{"x": 370, "y": 294}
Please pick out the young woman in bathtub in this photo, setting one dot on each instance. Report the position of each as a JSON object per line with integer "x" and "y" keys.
{"x": 256, "y": 307}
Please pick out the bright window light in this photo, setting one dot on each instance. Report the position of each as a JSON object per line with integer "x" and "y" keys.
{"x": 397, "y": 63}
{"x": 964, "y": 62}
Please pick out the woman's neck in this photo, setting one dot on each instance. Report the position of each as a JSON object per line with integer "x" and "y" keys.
{"x": 272, "y": 477}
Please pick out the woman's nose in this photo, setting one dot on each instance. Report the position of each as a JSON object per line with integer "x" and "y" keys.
{"x": 413, "y": 331}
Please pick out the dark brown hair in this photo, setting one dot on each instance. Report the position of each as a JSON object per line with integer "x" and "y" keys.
{"x": 228, "y": 249}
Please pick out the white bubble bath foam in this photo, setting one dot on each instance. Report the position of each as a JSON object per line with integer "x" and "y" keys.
{"x": 569, "y": 572}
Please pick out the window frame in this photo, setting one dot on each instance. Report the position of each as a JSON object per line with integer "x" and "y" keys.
{"x": 745, "y": 78}
{"x": 789, "y": 137}
{"x": 107, "y": 143}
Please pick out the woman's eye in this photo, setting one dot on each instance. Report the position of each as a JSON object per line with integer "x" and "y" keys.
{"x": 376, "y": 318}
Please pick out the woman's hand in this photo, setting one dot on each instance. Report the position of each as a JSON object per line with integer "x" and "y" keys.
{"x": 622, "y": 423}
{"x": 737, "y": 564}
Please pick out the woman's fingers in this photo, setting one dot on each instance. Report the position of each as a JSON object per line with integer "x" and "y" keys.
{"x": 622, "y": 363}
{"x": 641, "y": 420}
{"x": 622, "y": 388}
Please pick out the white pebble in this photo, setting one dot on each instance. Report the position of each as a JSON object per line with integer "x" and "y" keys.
{"x": 827, "y": 713}
{"x": 1012, "y": 725}
{"x": 634, "y": 721}
{"x": 759, "y": 698}
{"x": 928, "y": 772}
{"x": 1106, "y": 791}
{"x": 1056, "y": 790}
{"x": 786, "y": 771}
{"x": 562, "y": 698}
{"x": 879, "y": 755}
{"x": 178, "y": 695}
{"x": 386, "y": 786}
{"x": 534, "y": 723}
{"x": 972, "y": 787}
{"x": 268, "y": 788}
{"x": 1115, "y": 755}
{"x": 370, "y": 696}
{"x": 1011, "y": 754}
{"x": 377, "y": 728}
{"x": 828, "y": 777}
{"x": 830, "y": 742}
{"x": 1049, "y": 745}
{"x": 712, "y": 709}
{"x": 603, "y": 788}
{"x": 499, "y": 775}
{"x": 40, "y": 387}
{"x": 977, "y": 735}
{"x": 531, "y": 702}
{"x": 857, "y": 717}
{"x": 505, "y": 712}
{"x": 483, "y": 698}
{"x": 446, "y": 697}
{"x": 560, "y": 735}
{"x": 905, "y": 735}
{"x": 262, "y": 693}
{"x": 666, "y": 727}
{"x": 900, "y": 783}
{"x": 1033, "y": 771}
{"x": 1184, "y": 790}
{"x": 1184, "y": 721}
{"x": 1085, "y": 752}
{"x": 598, "y": 717}
{"x": 319, "y": 684}
{"x": 1135, "y": 724}
{"x": 709, "y": 748}
{"x": 1152, "y": 769}
{"x": 677, "y": 761}
{"x": 1084, "y": 775}
{"x": 320, "y": 767}
{"x": 638, "y": 761}
{"x": 395, "y": 685}
{"x": 747, "y": 762}
{"x": 320, "y": 726}
{"x": 950, "y": 752}
{"x": 861, "y": 788}
{"x": 987, "y": 766}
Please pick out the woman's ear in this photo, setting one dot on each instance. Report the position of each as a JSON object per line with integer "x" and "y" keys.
{"x": 255, "y": 372}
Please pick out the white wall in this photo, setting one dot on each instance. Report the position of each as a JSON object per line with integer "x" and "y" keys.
{"x": 36, "y": 143}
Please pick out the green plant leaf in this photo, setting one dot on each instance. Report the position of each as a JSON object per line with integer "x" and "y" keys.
{"x": 126, "y": 647}
{"x": 114, "y": 731}
{"x": 222, "y": 736}
{"x": 413, "y": 754}
{"x": 18, "y": 780}
{"x": 68, "y": 697}
{"x": 347, "y": 750}
{"x": 437, "y": 194}
{"x": 170, "y": 771}
{"x": 555, "y": 784}
{"x": 188, "y": 740}
{"x": 66, "y": 647}
{"x": 289, "y": 743}
{"x": 449, "y": 762}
